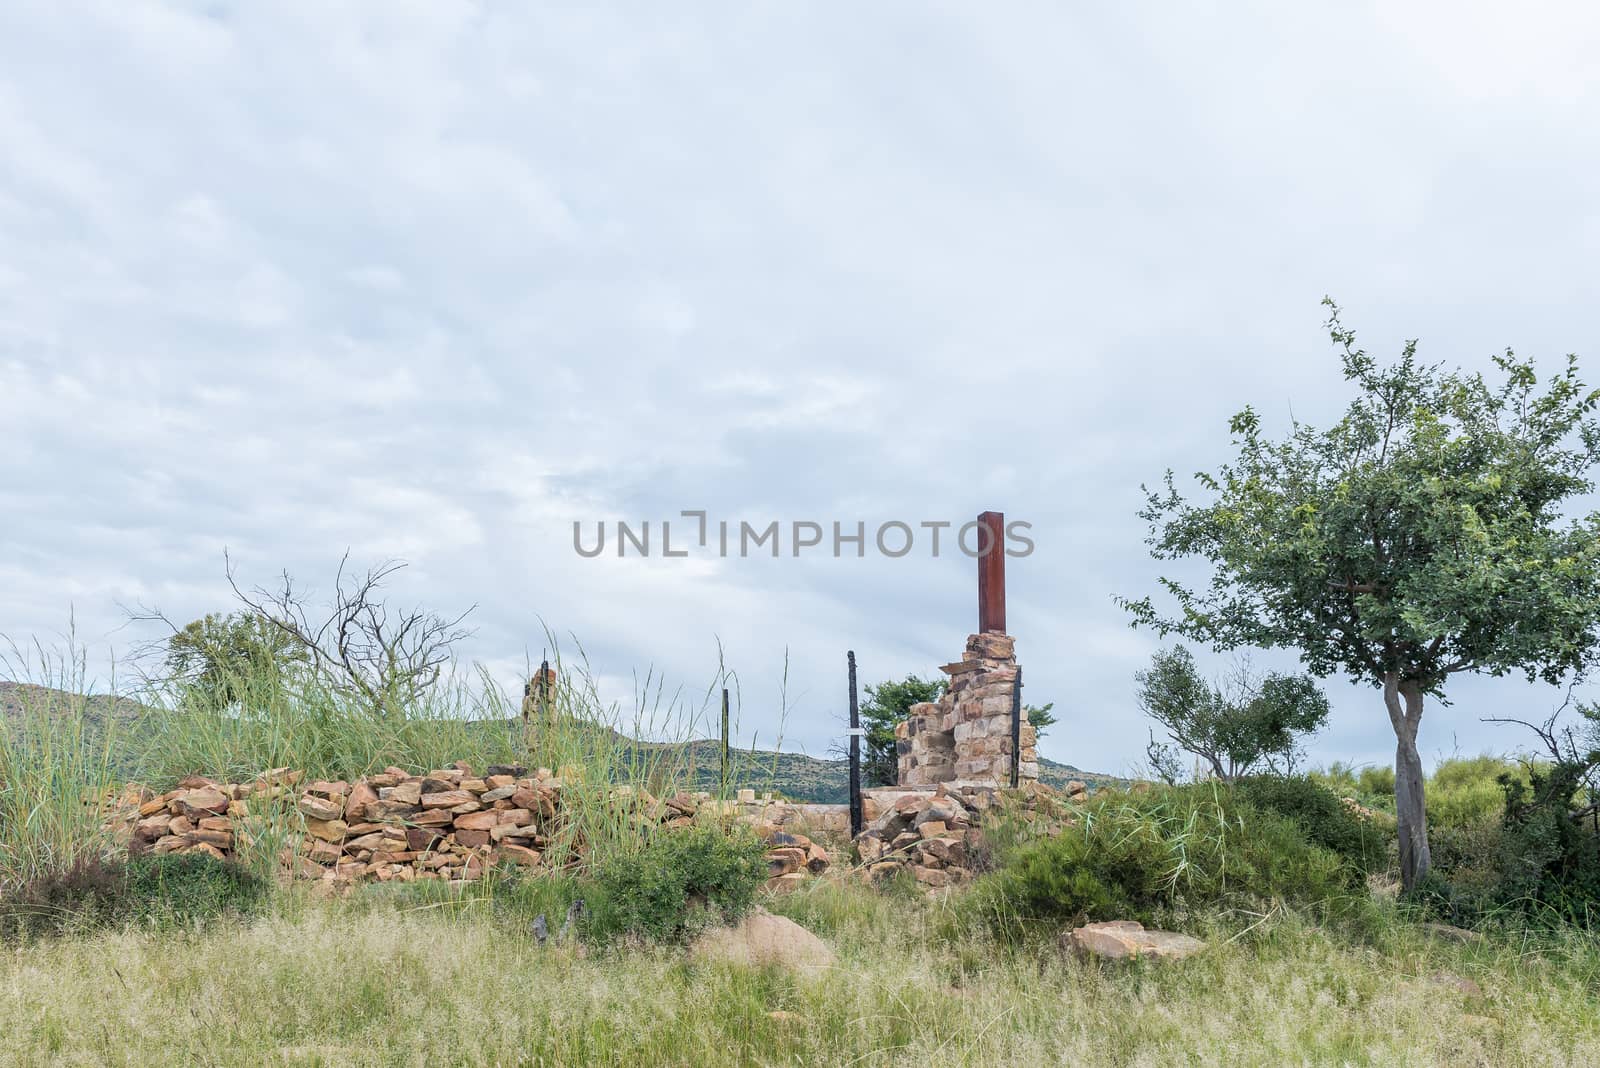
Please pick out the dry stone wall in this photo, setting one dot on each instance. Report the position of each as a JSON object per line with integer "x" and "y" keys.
{"x": 450, "y": 824}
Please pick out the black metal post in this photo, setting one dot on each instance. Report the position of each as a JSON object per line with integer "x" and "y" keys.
{"x": 1016, "y": 728}
{"x": 855, "y": 752}
{"x": 724, "y": 739}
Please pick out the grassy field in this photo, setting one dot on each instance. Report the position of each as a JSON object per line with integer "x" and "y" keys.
{"x": 320, "y": 983}
{"x": 391, "y": 977}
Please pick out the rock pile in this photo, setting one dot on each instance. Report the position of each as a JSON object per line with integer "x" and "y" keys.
{"x": 447, "y": 824}
{"x": 935, "y": 836}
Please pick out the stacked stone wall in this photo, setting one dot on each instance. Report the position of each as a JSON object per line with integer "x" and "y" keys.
{"x": 965, "y": 736}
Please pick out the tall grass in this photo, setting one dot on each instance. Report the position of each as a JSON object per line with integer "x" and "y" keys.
{"x": 57, "y": 762}
{"x": 63, "y": 750}
{"x": 336, "y": 985}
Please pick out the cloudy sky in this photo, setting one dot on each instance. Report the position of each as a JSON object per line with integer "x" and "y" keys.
{"x": 434, "y": 280}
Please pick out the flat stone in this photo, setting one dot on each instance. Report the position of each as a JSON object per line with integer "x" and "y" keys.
{"x": 1129, "y": 940}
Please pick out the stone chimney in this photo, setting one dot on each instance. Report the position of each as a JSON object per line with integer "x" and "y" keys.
{"x": 965, "y": 736}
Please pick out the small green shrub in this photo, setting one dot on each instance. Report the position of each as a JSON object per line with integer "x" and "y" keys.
{"x": 677, "y": 883}
{"x": 1138, "y": 856}
{"x": 177, "y": 890}
{"x": 1322, "y": 817}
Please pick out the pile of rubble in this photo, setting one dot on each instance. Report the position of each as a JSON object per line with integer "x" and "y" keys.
{"x": 449, "y": 824}
{"x": 934, "y": 834}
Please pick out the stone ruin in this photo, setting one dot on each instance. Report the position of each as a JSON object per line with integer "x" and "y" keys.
{"x": 964, "y": 738}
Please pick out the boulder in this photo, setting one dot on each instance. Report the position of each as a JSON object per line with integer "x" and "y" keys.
{"x": 1128, "y": 940}
{"x": 762, "y": 939}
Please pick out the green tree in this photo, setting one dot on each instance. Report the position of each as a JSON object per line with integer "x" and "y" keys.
{"x": 886, "y": 705}
{"x": 1420, "y": 536}
{"x": 221, "y": 659}
{"x": 1040, "y": 716}
{"x": 1253, "y": 722}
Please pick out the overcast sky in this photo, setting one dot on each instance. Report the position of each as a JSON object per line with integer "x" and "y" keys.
{"x": 434, "y": 280}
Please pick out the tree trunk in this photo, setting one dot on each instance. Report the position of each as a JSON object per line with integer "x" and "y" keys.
{"x": 1404, "y": 700}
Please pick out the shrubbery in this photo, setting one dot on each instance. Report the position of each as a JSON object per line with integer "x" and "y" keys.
{"x": 1322, "y": 817}
{"x": 177, "y": 890}
{"x": 1139, "y": 856}
{"x": 678, "y": 883}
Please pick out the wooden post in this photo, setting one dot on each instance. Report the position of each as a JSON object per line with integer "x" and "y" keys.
{"x": 724, "y": 739}
{"x": 855, "y": 752}
{"x": 992, "y": 572}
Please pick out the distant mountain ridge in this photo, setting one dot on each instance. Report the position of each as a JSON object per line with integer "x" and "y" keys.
{"x": 794, "y": 775}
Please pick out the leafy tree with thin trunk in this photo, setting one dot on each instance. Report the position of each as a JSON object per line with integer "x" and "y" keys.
{"x": 1423, "y": 535}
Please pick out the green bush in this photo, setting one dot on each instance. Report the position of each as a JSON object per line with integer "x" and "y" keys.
{"x": 1142, "y": 856}
{"x": 680, "y": 882}
{"x": 1322, "y": 817}
{"x": 177, "y": 890}
{"x": 1466, "y": 790}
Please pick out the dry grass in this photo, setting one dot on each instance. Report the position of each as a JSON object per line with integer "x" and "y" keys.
{"x": 337, "y": 984}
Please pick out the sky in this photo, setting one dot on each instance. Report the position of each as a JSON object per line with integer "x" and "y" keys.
{"x": 435, "y": 280}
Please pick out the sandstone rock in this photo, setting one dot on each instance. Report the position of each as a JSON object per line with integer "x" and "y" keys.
{"x": 170, "y": 844}
{"x": 498, "y": 793}
{"x": 153, "y": 828}
{"x": 155, "y": 805}
{"x": 327, "y": 830}
{"x": 203, "y": 801}
{"x": 325, "y": 852}
{"x": 386, "y": 839}
{"x": 219, "y": 839}
{"x": 762, "y": 939}
{"x": 519, "y": 854}
{"x": 355, "y": 806}
{"x": 1127, "y": 940}
{"x": 320, "y": 808}
{"x": 446, "y": 799}
{"x": 391, "y": 811}
{"x": 407, "y": 793}
{"x": 472, "y": 838}
{"x": 420, "y": 838}
{"x": 477, "y": 821}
